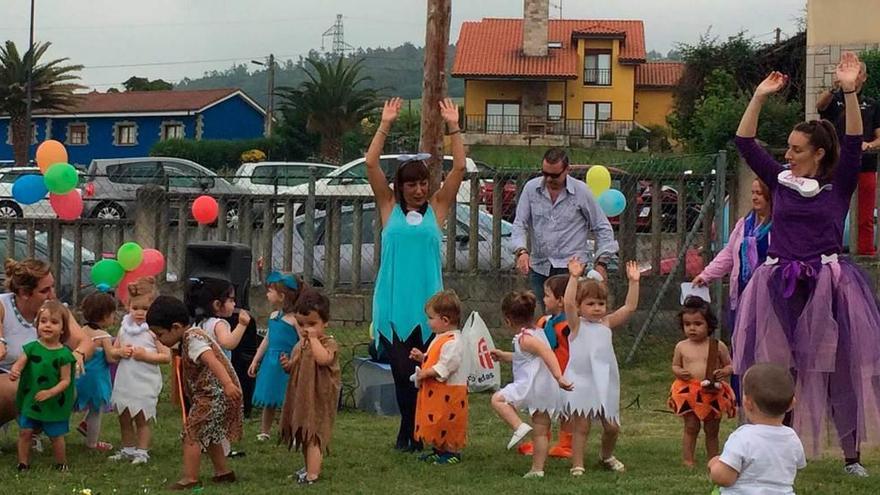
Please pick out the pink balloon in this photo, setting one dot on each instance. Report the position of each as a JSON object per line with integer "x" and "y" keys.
{"x": 122, "y": 288}
{"x": 204, "y": 209}
{"x": 67, "y": 206}
{"x": 153, "y": 262}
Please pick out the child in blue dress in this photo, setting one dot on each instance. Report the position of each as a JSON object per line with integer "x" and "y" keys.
{"x": 283, "y": 290}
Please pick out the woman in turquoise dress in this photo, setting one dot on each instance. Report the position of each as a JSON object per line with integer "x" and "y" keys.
{"x": 410, "y": 271}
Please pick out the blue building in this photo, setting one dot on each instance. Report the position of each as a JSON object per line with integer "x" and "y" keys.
{"x": 122, "y": 125}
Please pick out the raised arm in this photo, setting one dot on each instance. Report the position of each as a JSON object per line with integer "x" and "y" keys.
{"x": 757, "y": 158}
{"x": 569, "y": 299}
{"x": 445, "y": 197}
{"x": 229, "y": 339}
{"x": 378, "y": 182}
{"x": 846, "y": 174}
{"x": 324, "y": 355}
{"x": 629, "y": 307}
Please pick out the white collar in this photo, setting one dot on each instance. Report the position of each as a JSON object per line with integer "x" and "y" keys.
{"x": 804, "y": 186}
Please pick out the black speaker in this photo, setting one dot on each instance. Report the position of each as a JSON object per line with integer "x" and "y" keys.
{"x": 224, "y": 260}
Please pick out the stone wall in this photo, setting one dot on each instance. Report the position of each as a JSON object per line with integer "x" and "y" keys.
{"x": 535, "y": 23}
{"x": 821, "y": 63}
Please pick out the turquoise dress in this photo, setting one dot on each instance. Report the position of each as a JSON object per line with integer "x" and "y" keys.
{"x": 409, "y": 274}
{"x": 272, "y": 380}
{"x": 93, "y": 387}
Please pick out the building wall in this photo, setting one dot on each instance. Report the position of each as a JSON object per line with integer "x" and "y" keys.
{"x": 653, "y": 105}
{"x": 232, "y": 119}
{"x": 621, "y": 92}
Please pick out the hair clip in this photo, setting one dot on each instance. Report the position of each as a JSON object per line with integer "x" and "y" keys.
{"x": 287, "y": 280}
{"x": 196, "y": 281}
{"x": 416, "y": 157}
{"x": 105, "y": 288}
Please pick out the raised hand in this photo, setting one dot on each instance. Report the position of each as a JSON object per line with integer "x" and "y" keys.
{"x": 449, "y": 111}
{"x": 848, "y": 71}
{"x": 774, "y": 82}
{"x": 632, "y": 271}
{"x": 391, "y": 109}
{"x": 576, "y": 267}
{"x": 244, "y": 318}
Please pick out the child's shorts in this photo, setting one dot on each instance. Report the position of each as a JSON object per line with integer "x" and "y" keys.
{"x": 52, "y": 429}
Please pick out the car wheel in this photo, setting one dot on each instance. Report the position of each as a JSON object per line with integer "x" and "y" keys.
{"x": 8, "y": 209}
{"x": 108, "y": 211}
{"x": 232, "y": 216}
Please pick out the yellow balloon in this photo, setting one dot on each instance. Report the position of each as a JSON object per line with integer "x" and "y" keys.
{"x": 598, "y": 179}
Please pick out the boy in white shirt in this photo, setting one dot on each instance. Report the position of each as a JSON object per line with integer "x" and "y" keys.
{"x": 764, "y": 456}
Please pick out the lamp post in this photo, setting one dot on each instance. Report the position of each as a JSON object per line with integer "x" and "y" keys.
{"x": 270, "y": 102}
{"x": 30, "y": 74}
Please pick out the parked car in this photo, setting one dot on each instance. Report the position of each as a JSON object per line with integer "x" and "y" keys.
{"x": 10, "y": 208}
{"x": 63, "y": 273}
{"x": 112, "y": 185}
{"x": 277, "y": 177}
{"x": 368, "y": 218}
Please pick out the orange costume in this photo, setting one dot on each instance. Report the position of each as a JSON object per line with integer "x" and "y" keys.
{"x": 442, "y": 406}
{"x": 710, "y": 402}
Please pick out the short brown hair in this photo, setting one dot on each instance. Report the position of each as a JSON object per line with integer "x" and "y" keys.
{"x": 556, "y": 284}
{"x": 97, "y": 306}
{"x": 24, "y": 275}
{"x": 143, "y": 287}
{"x": 696, "y": 305}
{"x": 519, "y": 307}
{"x": 446, "y": 303}
{"x": 592, "y": 289}
{"x": 311, "y": 300}
{"x": 556, "y": 155}
{"x": 57, "y": 308}
{"x": 770, "y": 387}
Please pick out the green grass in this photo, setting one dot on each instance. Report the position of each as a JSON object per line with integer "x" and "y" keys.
{"x": 362, "y": 460}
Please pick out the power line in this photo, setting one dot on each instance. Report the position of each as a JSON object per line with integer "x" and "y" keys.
{"x": 182, "y": 62}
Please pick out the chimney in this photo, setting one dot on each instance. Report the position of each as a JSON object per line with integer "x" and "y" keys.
{"x": 535, "y": 25}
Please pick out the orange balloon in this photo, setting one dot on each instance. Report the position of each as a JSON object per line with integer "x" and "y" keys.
{"x": 49, "y": 153}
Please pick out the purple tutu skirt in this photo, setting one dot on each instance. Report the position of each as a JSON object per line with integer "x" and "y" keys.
{"x": 823, "y": 323}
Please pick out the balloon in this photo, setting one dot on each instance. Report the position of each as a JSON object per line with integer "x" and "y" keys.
{"x": 599, "y": 179}
{"x": 108, "y": 272}
{"x": 28, "y": 189}
{"x": 49, "y": 153}
{"x": 67, "y": 206}
{"x": 612, "y": 202}
{"x": 153, "y": 262}
{"x": 204, "y": 209}
{"x": 61, "y": 178}
{"x": 130, "y": 255}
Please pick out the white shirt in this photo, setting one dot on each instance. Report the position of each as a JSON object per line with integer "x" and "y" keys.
{"x": 449, "y": 366}
{"x": 766, "y": 457}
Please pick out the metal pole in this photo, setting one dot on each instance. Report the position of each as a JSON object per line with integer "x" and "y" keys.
{"x": 720, "y": 193}
{"x": 271, "y": 100}
{"x": 30, "y": 74}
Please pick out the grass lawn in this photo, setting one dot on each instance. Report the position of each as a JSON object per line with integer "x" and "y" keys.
{"x": 362, "y": 460}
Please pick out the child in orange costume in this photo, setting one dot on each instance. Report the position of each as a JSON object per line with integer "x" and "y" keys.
{"x": 695, "y": 399}
{"x": 442, "y": 406}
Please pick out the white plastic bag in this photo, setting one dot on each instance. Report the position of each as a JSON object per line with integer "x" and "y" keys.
{"x": 483, "y": 373}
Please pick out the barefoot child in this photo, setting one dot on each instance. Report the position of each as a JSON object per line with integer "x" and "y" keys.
{"x": 699, "y": 364}
{"x": 536, "y": 379}
{"x": 592, "y": 365}
{"x": 210, "y": 387}
{"x": 442, "y": 406}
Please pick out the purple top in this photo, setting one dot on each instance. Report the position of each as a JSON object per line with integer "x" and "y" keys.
{"x": 805, "y": 228}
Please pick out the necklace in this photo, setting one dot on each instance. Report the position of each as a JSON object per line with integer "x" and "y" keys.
{"x": 19, "y": 316}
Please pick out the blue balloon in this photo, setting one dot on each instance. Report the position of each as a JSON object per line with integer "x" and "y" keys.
{"x": 28, "y": 189}
{"x": 612, "y": 202}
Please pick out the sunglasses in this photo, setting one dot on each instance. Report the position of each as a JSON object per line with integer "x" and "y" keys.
{"x": 552, "y": 176}
{"x": 287, "y": 280}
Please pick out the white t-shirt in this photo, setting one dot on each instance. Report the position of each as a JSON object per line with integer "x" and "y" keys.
{"x": 766, "y": 457}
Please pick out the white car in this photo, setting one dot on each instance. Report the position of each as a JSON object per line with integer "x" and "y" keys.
{"x": 10, "y": 208}
{"x": 277, "y": 177}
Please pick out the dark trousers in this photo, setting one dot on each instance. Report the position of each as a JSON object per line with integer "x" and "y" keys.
{"x": 402, "y": 367}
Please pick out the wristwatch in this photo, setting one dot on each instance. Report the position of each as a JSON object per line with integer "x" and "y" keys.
{"x": 3, "y": 341}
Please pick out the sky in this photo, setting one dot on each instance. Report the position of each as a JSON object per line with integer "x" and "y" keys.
{"x": 173, "y": 39}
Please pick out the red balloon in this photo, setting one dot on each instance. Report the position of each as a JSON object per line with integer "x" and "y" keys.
{"x": 67, "y": 206}
{"x": 153, "y": 263}
{"x": 204, "y": 209}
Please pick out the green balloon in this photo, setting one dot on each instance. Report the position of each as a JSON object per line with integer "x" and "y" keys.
{"x": 130, "y": 255}
{"x": 61, "y": 178}
{"x": 108, "y": 272}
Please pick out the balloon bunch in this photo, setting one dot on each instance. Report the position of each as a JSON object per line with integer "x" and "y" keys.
{"x": 612, "y": 201}
{"x": 59, "y": 180}
{"x": 132, "y": 262}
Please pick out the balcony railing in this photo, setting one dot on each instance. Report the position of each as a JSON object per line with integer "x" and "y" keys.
{"x": 597, "y": 77}
{"x": 542, "y": 126}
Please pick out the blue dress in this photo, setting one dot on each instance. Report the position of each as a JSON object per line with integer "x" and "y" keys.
{"x": 93, "y": 387}
{"x": 272, "y": 380}
{"x": 409, "y": 274}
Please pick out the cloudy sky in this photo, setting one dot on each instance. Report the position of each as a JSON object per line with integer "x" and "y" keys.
{"x": 173, "y": 39}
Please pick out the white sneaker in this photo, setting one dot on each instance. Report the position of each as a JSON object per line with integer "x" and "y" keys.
{"x": 122, "y": 454}
{"x": 521, "y": 431}
{"x": 856, "y": 469}
{"x": 262, "y": 437}
{"x": 533, "y": 475}
{"x": 140, "y": 457}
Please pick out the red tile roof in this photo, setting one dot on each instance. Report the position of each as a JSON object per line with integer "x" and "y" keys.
{"x": 149, "y": 101}
{"x": 493, "y": 47}
{"x": 659, "y": 74}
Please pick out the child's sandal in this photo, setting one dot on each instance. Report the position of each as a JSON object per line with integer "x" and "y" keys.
{"x": 577, "y": 471}
{"x": 224, "y": 478}
{"x": 178, "y": 486}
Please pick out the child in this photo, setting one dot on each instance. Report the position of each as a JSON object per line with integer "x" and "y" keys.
{"x": 536, "y": 379}
{"x": 45, "y": 391}
{"x": 211, "y": 390}
{"x": 764, "y": 456}
{"x": 442, "y": 406}
{"x": 697, "y": 394}
{"x": 93, "y": 388}
{"x": 282, "y": 293}
{"x": 556, "y": 329}
{"x": 592, "y": 365}
{"x": 138, "y": 377}
{"x": 313, "y": 390}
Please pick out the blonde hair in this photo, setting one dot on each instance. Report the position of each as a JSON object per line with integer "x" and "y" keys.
{"x": 592, "y": 289}
{"x": 144, "y": 287}
{"x": 25, "y": 275}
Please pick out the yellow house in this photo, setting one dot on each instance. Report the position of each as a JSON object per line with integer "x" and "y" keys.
{"x": 559, "y": 82}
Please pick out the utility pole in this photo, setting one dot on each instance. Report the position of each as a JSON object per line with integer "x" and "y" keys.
{"x": 778, "y": 35}
{"x": 434, "y": 87}
{"x": 270, "y": 98}
{"x": 30, "y": 76}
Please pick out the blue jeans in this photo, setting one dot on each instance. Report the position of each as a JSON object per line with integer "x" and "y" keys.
{"x": 536, "y": 280}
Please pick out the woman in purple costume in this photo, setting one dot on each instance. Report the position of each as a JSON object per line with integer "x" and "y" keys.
{"x": 807, "y": 307}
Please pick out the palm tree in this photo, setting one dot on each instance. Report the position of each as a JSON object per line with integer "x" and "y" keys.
{"x": 333, "y": 101}
{"x": 51, "y": 89}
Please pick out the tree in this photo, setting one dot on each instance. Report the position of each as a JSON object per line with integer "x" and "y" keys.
{"x": 135, "y": 83}
{"x": 871, "y": 58}
{"x": 334, "y": 101}
{"x": 52, "y": 88}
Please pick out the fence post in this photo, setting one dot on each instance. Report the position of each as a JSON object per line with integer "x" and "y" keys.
{"x": 474, "y": 231}
{"x": 627, "y": 224}
{"x": 497, "y": 212}
{"x": 720, "y": 192}
{"x": 77, "y": 260}
{"x": 151, "y": 199}
{"x": 656, "y": 225}
{"x": 357, "y": 223}
{"x": 309, "y": 230}
{"x": 288, "y": 234}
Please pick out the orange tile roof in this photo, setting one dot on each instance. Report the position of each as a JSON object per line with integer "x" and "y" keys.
{"x": 493, "y": 47}
{"x": 659, "y": 74}
{"x": 146, "y": 101}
